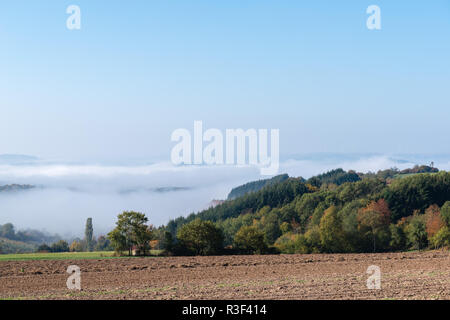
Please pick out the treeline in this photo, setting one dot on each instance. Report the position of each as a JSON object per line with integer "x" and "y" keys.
{"x": 88, "y": 244}
{"x": 274, "y": 196}
{"x": 255, "y": 186}
{"x": 22, "y": 241}
{"x": 16, "y": 187}
{"x": 335, "y": 212}
{"x": 12, "y": 246}
{"x": 27, "y": 241}
{"x": 8, "y": 231}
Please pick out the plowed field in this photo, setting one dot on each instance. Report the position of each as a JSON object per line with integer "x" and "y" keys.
{"x": 412, "y": 275}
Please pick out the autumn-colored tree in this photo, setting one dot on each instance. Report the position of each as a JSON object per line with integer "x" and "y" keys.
{"x": 382, "y": 208}
{"x": 373, "y": 218}
{"x": 433, "y": 220}
{"x": 76, "y": 246}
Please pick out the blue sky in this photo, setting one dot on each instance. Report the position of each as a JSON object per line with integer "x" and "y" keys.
{"x": 138, "y": 70}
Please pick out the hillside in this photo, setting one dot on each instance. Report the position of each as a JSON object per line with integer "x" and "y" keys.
{"x": 12, "y": 246}
{"x": 340, "y": 211}
{"x": 12, "y": 241}
{"x": 255, "y": 186}
{"x": 15, "y": 187}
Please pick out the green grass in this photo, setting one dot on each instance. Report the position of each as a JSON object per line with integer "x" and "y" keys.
{"x": 64, "y": 256}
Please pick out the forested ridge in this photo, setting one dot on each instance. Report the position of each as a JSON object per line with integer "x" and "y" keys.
{"x": 255, "y": 186}
{"x": 337, "y": 211}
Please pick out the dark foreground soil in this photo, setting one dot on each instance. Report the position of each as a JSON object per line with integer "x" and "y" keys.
{"x": 412, "y": 275}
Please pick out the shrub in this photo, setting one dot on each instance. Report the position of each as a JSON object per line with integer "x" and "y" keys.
{"x": 200, "y": 238}
{"x": 445, "y": 213}
{"x": 250, "y": 240}
{"x": 441, "y": 238}
{"x": 60, "y": 246}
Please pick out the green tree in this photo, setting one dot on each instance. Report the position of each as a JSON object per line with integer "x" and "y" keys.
{"x": 445, "y": 213}
{"x": 331, "y": 233}
{"x": 167, "y": 242}
{"x": 103, "y": 244}
{"x": 60, "y": 246}
{"x": 312, "y": 237}
{"x": 44, "y": 248}
{"x": 441, "y": 238}
{"x": 131, "y": 231}
{"x": 398, "y": 237}
{"x": 201, "y": 237}
{"x": 250, "y": 240}
{"x": 89, "y": 234}
{"x": 271, "y": 226}
{"x": 119, "y": 241}
{"x": 417, "y": 233}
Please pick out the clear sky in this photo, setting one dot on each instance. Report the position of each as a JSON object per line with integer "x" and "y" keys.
{"x": 137, "y": 70}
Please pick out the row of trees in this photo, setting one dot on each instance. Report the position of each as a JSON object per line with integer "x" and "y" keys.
{"x": 371, "y": 230}
{"x": 8, "y": 231}
{"x": 87, "y": 244}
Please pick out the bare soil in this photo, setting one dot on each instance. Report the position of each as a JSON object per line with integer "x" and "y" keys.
{"x": 412, "y": 275}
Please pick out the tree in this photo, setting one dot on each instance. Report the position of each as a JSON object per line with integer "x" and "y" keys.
{"x": 417, "y": 192}
{"x": 119, "y": 241}
{"x": 201, "y": 237}
{"x": 331, "y": 233}
{"x": 398, "y": 237}
{"x": 271, "y": 226}
{"x": 167, "y": 242}
{"x": 250, "y": 240}
{"x": 313, "y": 240}
{"x": 88, "y": 235}
{"x": 375, "y": 217}
{"x": 433, "y": 220}
{"x": 44, "y": 248}
{"x": 445, "y": 213}
{"x": 103, "y": 244}
{"x": 416, "y": 232}
{"x": 441, "y": 238}
{"x": 7, "y": 231}
{"x": 60, "y": 246}
{"x": 76, "y": 246}
{"x": 131, "y": 231}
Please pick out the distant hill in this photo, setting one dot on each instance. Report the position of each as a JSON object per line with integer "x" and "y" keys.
{"x": 420, "y": 169}
{"x": 255, "y": 186}
{"x": 337, "y": 177}
{"x": 15, "y": 187}
{"x": 12, "y": 246}
{"x": 157, "y": 190}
